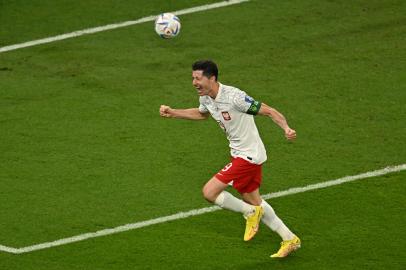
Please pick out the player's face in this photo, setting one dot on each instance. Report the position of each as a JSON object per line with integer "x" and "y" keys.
{"x": 202, "y": 84}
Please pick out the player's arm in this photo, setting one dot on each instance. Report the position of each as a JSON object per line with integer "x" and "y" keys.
{"x": 279, "y": 119}
{"x": 190, "y": 114}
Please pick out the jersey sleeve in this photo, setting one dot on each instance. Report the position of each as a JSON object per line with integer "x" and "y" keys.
{"x": 245, "y": 103}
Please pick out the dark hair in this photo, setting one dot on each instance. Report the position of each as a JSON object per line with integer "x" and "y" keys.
{"x": 208, "y": 67}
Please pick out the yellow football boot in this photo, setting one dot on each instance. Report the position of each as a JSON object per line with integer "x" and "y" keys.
{"x": 287, "y": 247}
{"x": 252, "y": 224}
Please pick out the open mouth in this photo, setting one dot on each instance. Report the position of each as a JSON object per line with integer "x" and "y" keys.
{"x": 199, "y": 89}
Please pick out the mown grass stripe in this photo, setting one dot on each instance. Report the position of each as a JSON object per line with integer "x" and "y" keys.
{"x": 115, "y": 26}
{"x": 196, "y": 212}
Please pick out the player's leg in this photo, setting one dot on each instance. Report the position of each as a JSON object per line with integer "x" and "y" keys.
{"x": 214, "y": 191}
{"x": 253, "y": 197}
{"x": 290, "y": 241}
{"x": 240, "y": 172}
{"x": 252, "y": 224}
{"x": 274, "y": 222}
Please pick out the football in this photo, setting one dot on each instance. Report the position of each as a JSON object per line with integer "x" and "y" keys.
{"x": 167, "y": 25}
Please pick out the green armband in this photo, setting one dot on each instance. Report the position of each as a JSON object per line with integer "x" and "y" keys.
{"x": 254, "y": 108}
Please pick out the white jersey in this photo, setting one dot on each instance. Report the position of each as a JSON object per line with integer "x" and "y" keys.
{"x": 233, "y": 109}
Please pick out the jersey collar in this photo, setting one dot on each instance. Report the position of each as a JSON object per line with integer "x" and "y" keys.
{"x": 219, "y": 92}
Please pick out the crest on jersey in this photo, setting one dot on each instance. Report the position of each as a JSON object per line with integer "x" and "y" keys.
{"x": 226, "y": 116}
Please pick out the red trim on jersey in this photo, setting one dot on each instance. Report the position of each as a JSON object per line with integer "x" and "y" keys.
{"x": 246, "y": 176}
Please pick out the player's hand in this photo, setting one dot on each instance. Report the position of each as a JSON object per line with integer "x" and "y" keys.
{"x": 164, "y": 111}
{"x": 290, "y": 134}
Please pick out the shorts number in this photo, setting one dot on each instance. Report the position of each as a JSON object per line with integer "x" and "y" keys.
{"x": 227, "y": 167}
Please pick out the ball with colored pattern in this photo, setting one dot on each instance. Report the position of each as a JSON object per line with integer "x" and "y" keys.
{"x": 167, "y": 25}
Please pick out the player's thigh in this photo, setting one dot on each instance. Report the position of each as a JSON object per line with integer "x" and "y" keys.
{"x": 213, "y": 188}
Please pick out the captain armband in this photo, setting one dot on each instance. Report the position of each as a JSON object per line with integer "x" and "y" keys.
{"x": 254, "y": 108}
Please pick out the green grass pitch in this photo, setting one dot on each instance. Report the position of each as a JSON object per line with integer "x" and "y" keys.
{"x": 83, "y": 148}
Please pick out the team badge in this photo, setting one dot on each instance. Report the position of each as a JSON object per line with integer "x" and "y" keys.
{"x": 226, "y": 116}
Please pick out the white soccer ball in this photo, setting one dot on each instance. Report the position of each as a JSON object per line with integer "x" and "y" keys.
{"x": 167, "y": 25}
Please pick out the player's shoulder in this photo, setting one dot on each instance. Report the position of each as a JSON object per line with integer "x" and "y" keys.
{"x": 203, "y": 99}
{"x": 230, "y": 89}
{"x": 232, "y": 92}
{"x": 238, "y": 98}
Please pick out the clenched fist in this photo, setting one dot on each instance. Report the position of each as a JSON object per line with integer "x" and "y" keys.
{"x": 164, "y": 111}
{"x": 290, "y": 134}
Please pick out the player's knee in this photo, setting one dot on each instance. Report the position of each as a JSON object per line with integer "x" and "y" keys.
{"x": 208, "y": 194}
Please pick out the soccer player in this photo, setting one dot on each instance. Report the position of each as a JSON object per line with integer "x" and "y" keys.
{"x": 233, "y": 110}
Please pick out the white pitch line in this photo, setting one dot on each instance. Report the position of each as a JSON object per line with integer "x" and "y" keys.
{"x": 9, "y": 249}
{"x": 336, "y": 182}
{"x": 196, "y": 212}
{"x": 116, "y": 25}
